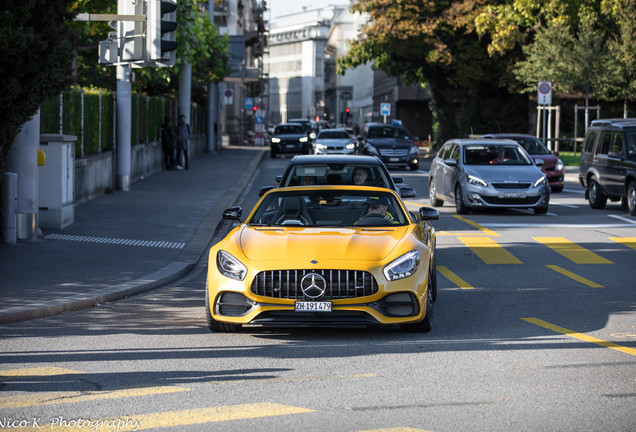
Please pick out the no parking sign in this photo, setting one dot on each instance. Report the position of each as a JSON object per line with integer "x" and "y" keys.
{"x": 544, "y": 96}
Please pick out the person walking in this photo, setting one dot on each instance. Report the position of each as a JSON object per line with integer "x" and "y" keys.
{"x": 168, "y": 143}
{"x": 183, "y": 139}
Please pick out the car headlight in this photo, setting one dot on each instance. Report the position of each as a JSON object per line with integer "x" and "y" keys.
{"x": 312, "y": 135}
{"x": 230, "y": 266}
{"x": 403, "y": 267}
{"x": 560, "y": 165}
{"x": 320, "y": 146}
{"x": 350, "y": 146}
{"x": 275, "y": 140}
{"x": 471, "y": 179}
{"x": 542, "y": 180}
{"x": 303, "y": 139}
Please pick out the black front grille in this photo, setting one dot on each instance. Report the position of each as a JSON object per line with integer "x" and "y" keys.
{"x": 511, "y": 201}
{"x": 511, "y": 185}
{"x": 340, "y": 284}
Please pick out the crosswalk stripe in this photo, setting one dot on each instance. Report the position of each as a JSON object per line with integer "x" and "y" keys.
{"x": 116, "y": 241}
{"x": 572, "y": 251}
{"x": 176, "y": 418}
{"x": 461, "y": 283}
{"x": 53, "y": 398}
{"x": 627, "y": 241}
{"x": 574, "y": 276}
{"x": 489, "y": 250}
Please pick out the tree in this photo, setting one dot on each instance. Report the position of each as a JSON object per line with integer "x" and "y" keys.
{"x": 435, "y": 43}
{"x": 35, "y": 63}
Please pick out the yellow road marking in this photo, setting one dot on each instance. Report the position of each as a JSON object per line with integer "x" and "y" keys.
{"x": 461, "y": 283}
{"x": 418, "y": 205}
{"x": 52, "y": 398}
{"x": 581, "y": 336}
{"x": 574, "y": 276}
{"x": 397, "y": 429}
{"x": 627, "y": 241}
{"x": 37, "y": 371}
{"x": 458, "y": 233}
{"x": 292, "y": 379}
{"x": 489, "y": 250}
{"x": 175, "y": 418}
{"x": 476, "y": 225}
{"x": 572, "y": 251}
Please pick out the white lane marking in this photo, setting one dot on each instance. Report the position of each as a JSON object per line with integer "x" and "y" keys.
{"x": 117, "y": 241}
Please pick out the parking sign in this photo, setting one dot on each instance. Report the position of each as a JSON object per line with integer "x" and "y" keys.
{"x": 385, "y": 109}
{"x": 544, "y": 96}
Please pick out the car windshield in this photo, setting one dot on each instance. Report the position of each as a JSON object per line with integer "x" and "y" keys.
{"x": 533, "y": 146}
{"x": 495, "y": 154}
{"x": 289, "y": 129}
{"x": 387, "y": 132}
{"x": 333, "y": 135}
{"x": 337, "y": 174}
{"x": 313, "y": 207}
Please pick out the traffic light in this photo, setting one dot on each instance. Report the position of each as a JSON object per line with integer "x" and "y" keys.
{"x": 161, "y": 39}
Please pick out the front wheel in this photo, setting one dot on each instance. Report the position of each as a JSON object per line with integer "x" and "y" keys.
{"x": 460, "y": 207}
{"x": 631, "y": 198}
{"x": 432, "y": 195}
{"x": 595, "y": 195}
{"x": 424, "y": 325}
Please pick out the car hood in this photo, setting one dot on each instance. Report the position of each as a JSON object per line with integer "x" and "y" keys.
{"x": 282, "y": 243}
{"x": 503, "y": 173}
{"x": 334, "y": 142}
{"x": 390, "y": 142}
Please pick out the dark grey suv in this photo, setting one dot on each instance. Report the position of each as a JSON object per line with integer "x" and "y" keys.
{"x": 608, "y": 163}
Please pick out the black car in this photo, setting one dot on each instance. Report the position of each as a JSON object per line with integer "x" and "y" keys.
{"x": 290, "y": 138}
{"x": 607, "y": 167}
{"x": 390, "y": 142}
{"x": 339, "y": 170}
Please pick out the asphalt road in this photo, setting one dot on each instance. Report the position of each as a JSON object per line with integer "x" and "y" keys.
{"x": 534, "y": 330}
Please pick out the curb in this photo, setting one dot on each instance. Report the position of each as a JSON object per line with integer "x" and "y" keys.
{"x": 181, "y": 266}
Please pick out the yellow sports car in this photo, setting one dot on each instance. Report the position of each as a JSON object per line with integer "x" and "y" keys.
{"x": 324, "y": 256}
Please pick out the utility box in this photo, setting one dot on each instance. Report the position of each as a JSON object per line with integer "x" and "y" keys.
{"x": 57, "y": 181}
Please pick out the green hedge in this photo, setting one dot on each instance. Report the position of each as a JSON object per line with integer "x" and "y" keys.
{"x": 147, "y": 114}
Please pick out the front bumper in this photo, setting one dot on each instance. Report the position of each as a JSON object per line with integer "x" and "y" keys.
{"x": 488, "y": 197}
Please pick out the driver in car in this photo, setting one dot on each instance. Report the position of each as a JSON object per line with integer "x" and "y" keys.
{"x": 378, "y": 208}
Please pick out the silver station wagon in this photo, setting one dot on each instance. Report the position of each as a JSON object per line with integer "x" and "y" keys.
{"x": 487, "y": 173}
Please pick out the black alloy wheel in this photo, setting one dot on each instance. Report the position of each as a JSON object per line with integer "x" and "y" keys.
{"x": 631, "y": 198}
{"x": 595, "y": 195}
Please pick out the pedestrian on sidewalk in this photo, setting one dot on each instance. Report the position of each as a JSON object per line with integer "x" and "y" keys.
{"x": 168, "y": 143}
{"x": 183, "y": 139}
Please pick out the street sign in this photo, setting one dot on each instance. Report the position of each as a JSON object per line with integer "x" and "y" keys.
{"x": 228, "y": 97}
{"x": 385, "y": 109}
{"x": 249, "y": 103}
{"x": 544, "y": 96}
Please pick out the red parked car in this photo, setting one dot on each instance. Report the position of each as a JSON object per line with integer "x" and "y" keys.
{"x": 552, "y": 166}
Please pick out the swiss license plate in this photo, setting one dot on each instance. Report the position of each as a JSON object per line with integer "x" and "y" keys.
{"x": 312, "y": 306}
{"x": 290, "y": 146}
{"x": 514, "y": 195}
{"x": 394, "y": 159}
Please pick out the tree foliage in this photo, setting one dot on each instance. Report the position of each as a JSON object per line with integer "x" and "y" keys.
{"x": 35, "y": 62}
{"x": 435, "y": 43}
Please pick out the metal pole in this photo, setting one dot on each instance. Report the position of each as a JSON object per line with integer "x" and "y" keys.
{"x": 543, "y": 123}
{"x": 124, "y": 122}
{"x": 9, "y": 202}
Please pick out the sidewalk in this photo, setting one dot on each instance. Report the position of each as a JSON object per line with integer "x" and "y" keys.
{"x": 127, "y": 242}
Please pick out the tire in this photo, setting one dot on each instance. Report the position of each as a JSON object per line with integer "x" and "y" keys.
{"x": 460, "y": 207}
{"x": 432, "y": 195}
{"x": 414, "y": 167}
{"x": 214, "y": 325}
{"x": 631, "y": 198}
{"x": 433, "y": 277}
{"x": 541, "y": 210}
{"x": 423, "y": 326}
{"x": 557, "y": 189}
{"x": 272, "y": 153}
{"x": 595, "y": 195}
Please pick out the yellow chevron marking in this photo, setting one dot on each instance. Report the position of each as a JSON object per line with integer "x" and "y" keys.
{"x": 580, "y": 336}
{"x": 38, "y": 371}
{"x": 461, "y": 283}
{"x": 627, "y": 241}
{"x": 173, "y": 418}
{"x": 572, "y": 251}
{"x": 574, "y": 276}
{"x": 52, "y": 398}
{"x": 476, "y": 225}
{"x": 489, "y": 250}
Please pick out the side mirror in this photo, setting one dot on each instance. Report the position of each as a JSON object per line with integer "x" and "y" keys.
{"x": 613, "y": 154}
{"x": 278, "y": 178}
{"x": 262, "y": 191}
{"x": 397, "y": 180}
{"x": 539, "y": 162}
{"x": 428, "y": 213}
{"x": 450, "y": 162}
{"x": 407, "y": 192}
{"x": 233, "y": 213}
